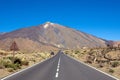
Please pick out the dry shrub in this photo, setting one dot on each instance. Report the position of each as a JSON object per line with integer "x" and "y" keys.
{"x": 115, "y": 64}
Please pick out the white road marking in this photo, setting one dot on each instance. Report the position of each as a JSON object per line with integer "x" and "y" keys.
{"x": 58, "y": 68}
{"x": 56, "y": 75}
{"x": 94, "y": 68}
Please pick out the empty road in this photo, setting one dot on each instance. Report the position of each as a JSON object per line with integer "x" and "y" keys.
{"x": 60, "y": 67}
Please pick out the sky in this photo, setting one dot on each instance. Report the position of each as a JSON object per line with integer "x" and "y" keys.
{"x": 100, "y": 18}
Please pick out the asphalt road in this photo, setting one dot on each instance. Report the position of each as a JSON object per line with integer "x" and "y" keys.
{"x": 59, "y": 67}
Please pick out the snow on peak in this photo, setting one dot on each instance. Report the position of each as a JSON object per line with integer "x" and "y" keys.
{"x": 47, "y": 24}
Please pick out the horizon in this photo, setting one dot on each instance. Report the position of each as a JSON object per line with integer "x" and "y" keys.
{"x": 99, "y": 18}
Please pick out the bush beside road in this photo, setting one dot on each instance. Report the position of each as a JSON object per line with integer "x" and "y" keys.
{"x": 9, "y": 65}
{"x": 105, "y": 59}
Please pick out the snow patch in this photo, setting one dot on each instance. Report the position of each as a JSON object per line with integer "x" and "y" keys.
{"x": 46, "y": 26}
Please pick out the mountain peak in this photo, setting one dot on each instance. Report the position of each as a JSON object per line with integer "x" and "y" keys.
{"x": 52, "y": 35}
{"x": 48, "y": 24}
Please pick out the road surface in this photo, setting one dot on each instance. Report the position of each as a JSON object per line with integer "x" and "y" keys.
{"x": 59, "y": 67}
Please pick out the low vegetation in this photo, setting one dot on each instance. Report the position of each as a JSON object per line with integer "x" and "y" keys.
{"x": 105, "y": 59}
{"x": 111, "y": 71}
{"x": 10, "y": 64}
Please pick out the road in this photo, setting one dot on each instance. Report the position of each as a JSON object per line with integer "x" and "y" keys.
{"x": 59, "y": 67}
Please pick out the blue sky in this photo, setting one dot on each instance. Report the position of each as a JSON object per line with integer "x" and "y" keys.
{"x": 97, "y": 17}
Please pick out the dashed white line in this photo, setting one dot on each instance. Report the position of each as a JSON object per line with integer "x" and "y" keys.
{"x": 58, "y": 68}
{"x": 56, "y": 75}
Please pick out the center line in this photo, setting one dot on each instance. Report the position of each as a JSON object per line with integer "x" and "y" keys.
{"x": 58, "y": 67}
{"x": 56, "y": 75}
